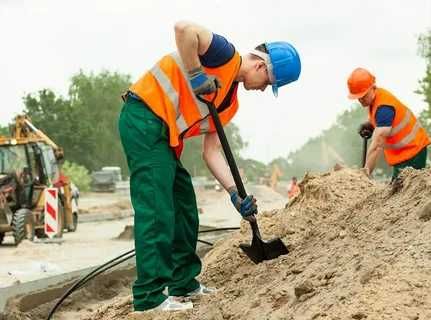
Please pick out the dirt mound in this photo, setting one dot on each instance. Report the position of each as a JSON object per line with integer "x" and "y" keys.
{"x": 127, "y": 234}
{"x": 358, "y": 250}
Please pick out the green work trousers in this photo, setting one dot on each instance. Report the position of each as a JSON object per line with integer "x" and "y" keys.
{"x": 166, "y": 215}
{"x": 417, "y": 162}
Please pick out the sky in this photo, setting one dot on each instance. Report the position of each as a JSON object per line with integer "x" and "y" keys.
{"x": 45, "y": 42}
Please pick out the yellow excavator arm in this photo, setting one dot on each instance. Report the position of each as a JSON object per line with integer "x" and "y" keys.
{"x": 25, "y": 130}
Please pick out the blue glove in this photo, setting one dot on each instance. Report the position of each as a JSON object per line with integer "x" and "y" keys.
{"x": 246, "y": 207}
{"x": 203, "y": 83}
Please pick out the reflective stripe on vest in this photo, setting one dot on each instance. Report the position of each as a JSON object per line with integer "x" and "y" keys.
{"x": 402, "y": 124}
{"x": 407, "y": 139}
{"x": 166, "y": 84}
{"x": 172, "y": 94}
{"x": 202, "y": 107}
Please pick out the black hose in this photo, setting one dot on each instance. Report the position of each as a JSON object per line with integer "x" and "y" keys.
{"x": 112, "y": 263}
{"x": 206, "y": 242}
{"x": 81, "y": 282}
{"x": 219, "y": 229}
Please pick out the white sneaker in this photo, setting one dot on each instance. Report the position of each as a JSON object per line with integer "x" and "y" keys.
{"x": 170, "y": 304}
{"x": 201, "y": 291}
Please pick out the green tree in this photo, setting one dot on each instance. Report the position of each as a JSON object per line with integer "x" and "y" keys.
{"x": 56, "y": 117}
{"x": 425, "y": 82}
{"x": 4, "y": 131}
{"x": 84, "y": 123}
{"x": 79, "y": 175}
{"x": 97, "y": 100}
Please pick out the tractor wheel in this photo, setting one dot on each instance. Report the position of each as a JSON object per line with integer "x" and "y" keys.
{"x": 74, "y": 225}
{"x": 19, "y": 221}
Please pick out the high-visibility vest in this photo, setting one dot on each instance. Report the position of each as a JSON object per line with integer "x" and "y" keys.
{"x": 407, "y": 137}
{"x": 165, "y": 88}
{"x": 293, "y": 191}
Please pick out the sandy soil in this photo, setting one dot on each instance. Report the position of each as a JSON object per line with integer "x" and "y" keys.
{"x": 358, "y": 250}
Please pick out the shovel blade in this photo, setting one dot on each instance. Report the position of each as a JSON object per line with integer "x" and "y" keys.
{"x": 255, "y": 254}
{"x": 260, "y": 250}
{"x": 274, "y": 248}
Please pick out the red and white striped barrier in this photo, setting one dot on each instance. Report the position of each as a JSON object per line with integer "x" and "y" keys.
{"x": 51, "y": 212}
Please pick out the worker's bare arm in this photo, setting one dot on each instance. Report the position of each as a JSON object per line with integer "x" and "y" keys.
{"x": 215, "y": 161}
{"x": 192, "y": 40}
{"x": 376, "y": 147}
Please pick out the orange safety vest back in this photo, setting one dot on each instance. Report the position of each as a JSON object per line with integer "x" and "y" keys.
{"x": 167, "y": 91}
{"x": 293, "y": 191}
{"x": 407, "y": 137}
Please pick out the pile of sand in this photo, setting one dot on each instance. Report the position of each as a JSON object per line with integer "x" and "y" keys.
{"x": 358, "y": 250}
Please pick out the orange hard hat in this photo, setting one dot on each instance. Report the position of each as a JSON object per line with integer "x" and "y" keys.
{"x": 359, "y": 82}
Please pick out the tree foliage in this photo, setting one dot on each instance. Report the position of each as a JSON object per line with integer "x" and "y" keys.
{"x": 4, "y": 131}
{"x": 79, "y": 175}
{"x": 425, "y": 82}
{"x": 85, "y": 122}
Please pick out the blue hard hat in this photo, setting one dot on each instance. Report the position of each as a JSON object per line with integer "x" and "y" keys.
{"x": 286, "y": 65}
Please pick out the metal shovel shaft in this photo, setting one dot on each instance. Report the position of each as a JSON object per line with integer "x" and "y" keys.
{"x": 364, "y": 151}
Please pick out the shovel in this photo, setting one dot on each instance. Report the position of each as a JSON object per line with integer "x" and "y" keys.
{"x": 259, "y": 249}
{"x": 364, "y": 151}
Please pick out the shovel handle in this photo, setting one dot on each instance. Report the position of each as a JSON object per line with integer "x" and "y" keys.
{"x": 364, "y": 151}
{"x": 229, "y": 156}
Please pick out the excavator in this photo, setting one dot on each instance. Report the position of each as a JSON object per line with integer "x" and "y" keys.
{"x": 271, "y": 179}
{"x": 30, "y": 162}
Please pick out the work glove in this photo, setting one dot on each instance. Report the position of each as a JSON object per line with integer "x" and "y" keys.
{"x": 246, "y": 207}
{"x": 366, "y": 130}
{"x": 203, "y": 83}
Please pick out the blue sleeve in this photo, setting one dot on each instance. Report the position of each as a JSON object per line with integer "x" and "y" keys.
{"x": 385, "y": 116}
{"x": 219, "y": 52}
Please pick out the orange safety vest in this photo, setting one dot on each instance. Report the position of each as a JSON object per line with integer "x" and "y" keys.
{"x": 407, "y": 136}
{"x": 167, "y": 91}
{"x": 293, "y": 191}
